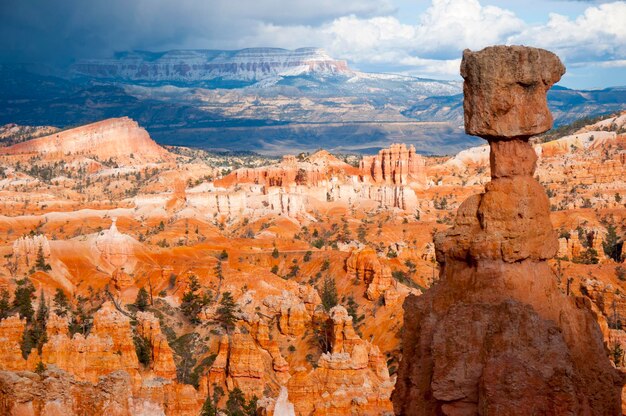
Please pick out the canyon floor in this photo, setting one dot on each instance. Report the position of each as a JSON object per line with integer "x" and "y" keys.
{"x": 137, "y": 279}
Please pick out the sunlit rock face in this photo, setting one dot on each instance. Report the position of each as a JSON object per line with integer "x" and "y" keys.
{"x": 495, "y": 335}
{"x": 115, "y": 250}
{"x": 350, "y": 378}
{"x": 398, "y": 165}
{"x": 26, "y": 249}
{"x": 505, "y": 90}
{"x": 118, "y": 138}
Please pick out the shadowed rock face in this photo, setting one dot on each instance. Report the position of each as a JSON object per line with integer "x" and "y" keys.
{"x": 495, "y": 336}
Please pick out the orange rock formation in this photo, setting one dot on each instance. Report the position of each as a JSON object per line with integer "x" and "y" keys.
{"x": 119, "y": 138}
{"x": 496, "y": 336}
{"x": 162, "y": 359}
{"x": 365, "y": 265}
{"x": 396, "y": 165}
{"x": 108, "y": 225}
{"x": 351, "y": 377}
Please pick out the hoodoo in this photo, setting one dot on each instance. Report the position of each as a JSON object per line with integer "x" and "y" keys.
{"x": 495, "y": 335}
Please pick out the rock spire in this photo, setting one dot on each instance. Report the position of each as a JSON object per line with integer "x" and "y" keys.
{"x": 495, "y": 335}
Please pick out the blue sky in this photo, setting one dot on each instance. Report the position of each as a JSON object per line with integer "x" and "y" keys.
{"x": 418, "y": 37}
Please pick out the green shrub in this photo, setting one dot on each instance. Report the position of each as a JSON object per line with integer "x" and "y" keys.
{"x": 142, "y": 301}
{"x": 329, "y": 293}
{"x": 589, "y": 256}
{"x": 143, "y": 348}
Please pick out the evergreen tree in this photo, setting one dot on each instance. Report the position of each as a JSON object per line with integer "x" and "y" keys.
{"x": 237, "y": 405}
{"x": 210, "y": 407}
{"x": 275, "y": 253}
{"x": 193, "y": 302}
{"x": 322, "y": 334}
{"x": 589, "y": 256}
{"x": 618, "y": 355}
{"x": 353, "y": 310}
{"x": 612, "y": 245}
{"x": 82, "y": 320}
{"x": 141, "y": 302}
{"x": 41, "y": 367}
{"x": 329, "y": 293}
{"x": 38, "y": 331}
{"x": 23, "y": 299}
{"x": 40, "y": 261}
{"x": 219, "y": 274}
{"x": 42, "y": 310}
{"x": 226, "y": 312}
{"x": 5, "y": 304}
{"x": 27, "y": 343}
{"x": 207, "y": 408}
{"x": 143, "y": 348}
{"x": 61, "y": 303}
{"x": 251, "y": 408}
{"x": 224, "y": 255}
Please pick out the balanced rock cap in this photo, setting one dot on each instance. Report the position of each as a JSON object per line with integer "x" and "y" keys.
{"x": 505, "y": 91}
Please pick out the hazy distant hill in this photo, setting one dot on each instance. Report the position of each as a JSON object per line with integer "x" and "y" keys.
{"x": 309, "y": 70}
{"x": 566, "y": 105}
{"x": 262, "y": 99}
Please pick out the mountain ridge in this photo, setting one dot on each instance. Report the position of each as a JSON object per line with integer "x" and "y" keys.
{"x": 267, "y": 100}
{"x": 193, "y": 65}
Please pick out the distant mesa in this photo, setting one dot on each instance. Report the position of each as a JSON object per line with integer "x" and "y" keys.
{"x": 118, "y": 138}
{"x": 250, "y": 64}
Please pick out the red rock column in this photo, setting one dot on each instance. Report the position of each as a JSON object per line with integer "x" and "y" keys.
{"x": 495, "y": 336}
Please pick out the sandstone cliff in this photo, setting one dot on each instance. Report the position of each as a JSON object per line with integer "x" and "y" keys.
{"x": 98, "y": 374}
{"x": 365, "y": 265}
{"x": 351, "y": 378}
{"x": 119, "y": 138}
{"x": 396, "y": 165}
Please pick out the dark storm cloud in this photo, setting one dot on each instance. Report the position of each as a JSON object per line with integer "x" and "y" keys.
{"x": 45, "y": 30}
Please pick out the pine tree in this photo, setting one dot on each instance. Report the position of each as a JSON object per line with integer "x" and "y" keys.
{"x": 5, "y": 304}
{"x": 42, "y": 310}
{"x": 275, "y": 253}
{"x": 27, "y": 343}
{"x": 236, "y": 403}
{"x": 61, "y": 303}
{"x": 40, "y": 262}
{"x": 192, "y": 302}
{"x": 220, "y": 276}
{"x": 39, "y": 335}
{"x": 329, "y": 293}
{"x": 207, "y": 408}
{"x": 612, "y": 245}
{"x": 352, "y": 307}
{"x": 250, "y": 409}
{"x": 41, "y": 367}
{"x": 226, "y": 312}
{"x": 22, "y": 299}
{"x": 210, "y": 407}
{"x": 141, "y": 302}
{"x": 143, "y": 348}
{"x": 81, "y": 321}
